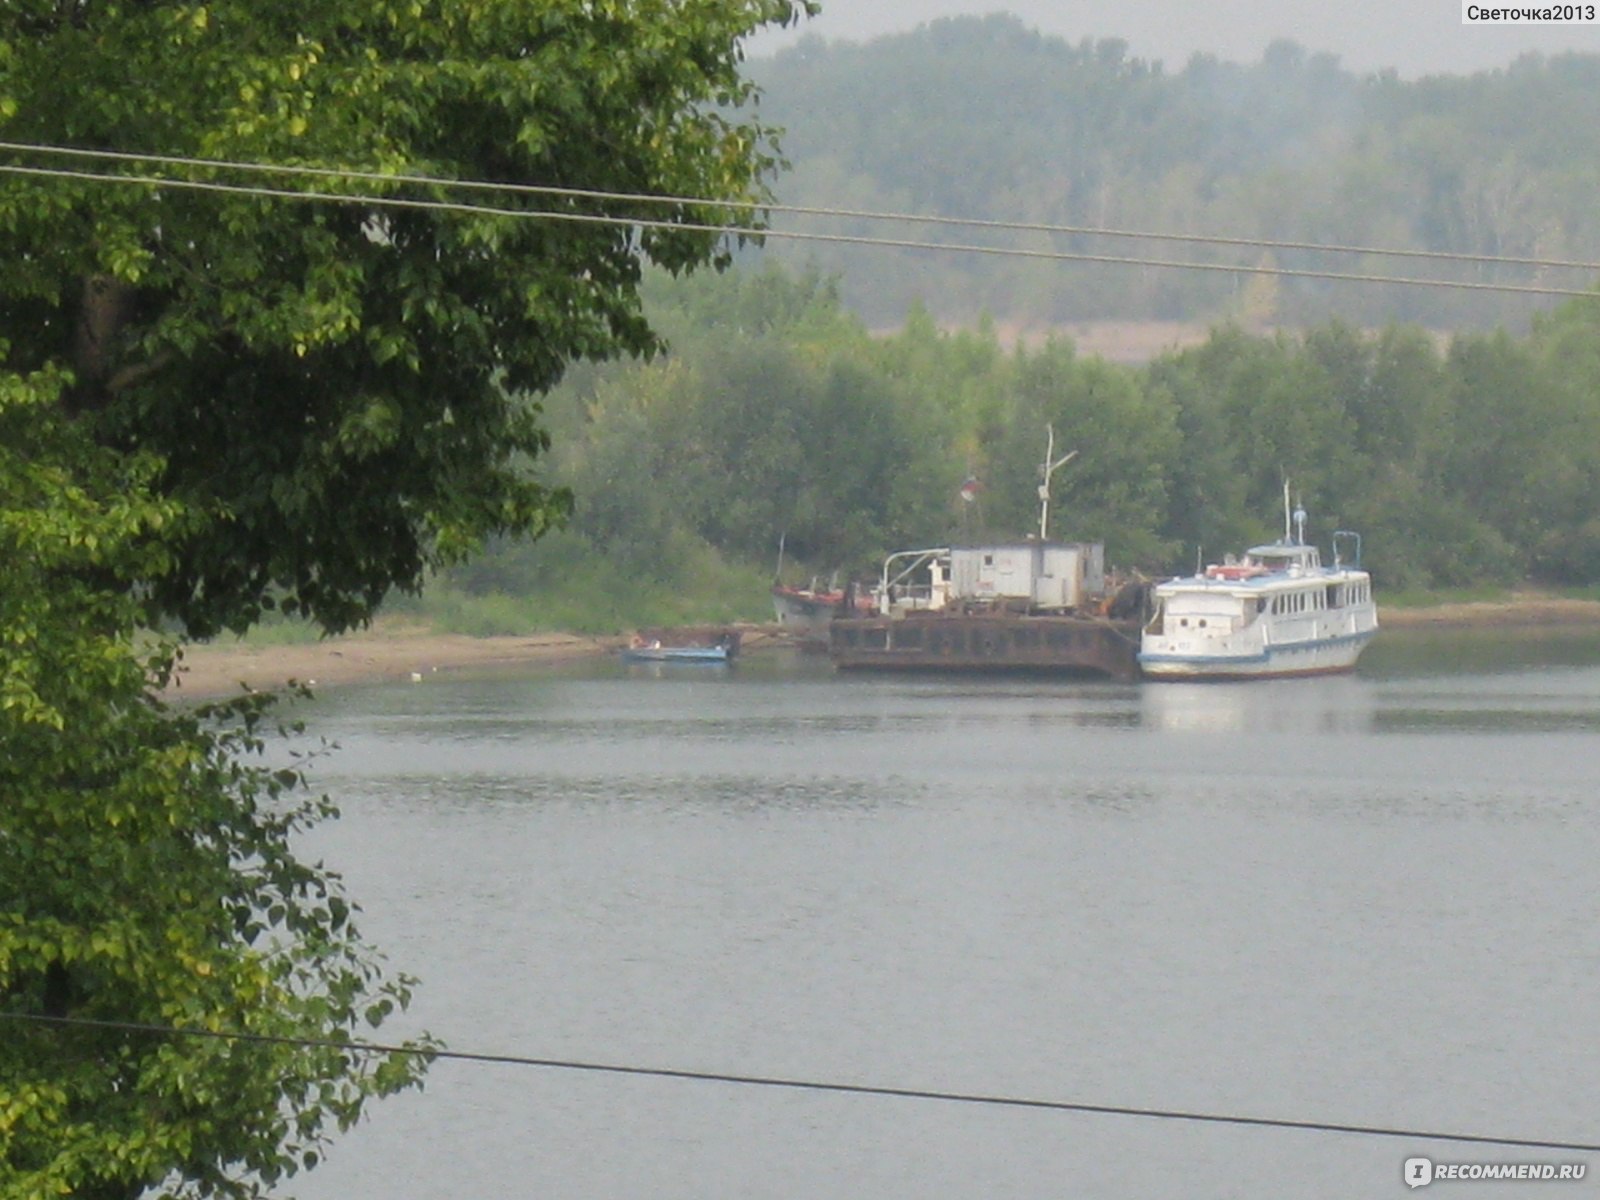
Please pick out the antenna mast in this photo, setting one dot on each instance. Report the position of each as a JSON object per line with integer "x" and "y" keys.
{"x": 1047, "y": 469}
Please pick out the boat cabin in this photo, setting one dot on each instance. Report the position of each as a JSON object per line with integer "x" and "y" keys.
{"x": 1046, "y": 576}
{"x": 1283, "y": 556}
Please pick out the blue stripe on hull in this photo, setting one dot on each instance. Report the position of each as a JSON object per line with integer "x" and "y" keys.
{"x": 1216, "y": 666}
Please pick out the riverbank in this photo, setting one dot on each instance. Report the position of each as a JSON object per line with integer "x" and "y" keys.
{"x": 1520, "y": 609}
{"x": 394, "y": 651}
{"x": 389, "y": 652}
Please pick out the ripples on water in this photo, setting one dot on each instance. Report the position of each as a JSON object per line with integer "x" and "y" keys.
{"x": 1363, "y": 900}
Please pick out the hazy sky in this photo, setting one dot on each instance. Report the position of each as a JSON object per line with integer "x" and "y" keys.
{"x": 1415, "y": 37}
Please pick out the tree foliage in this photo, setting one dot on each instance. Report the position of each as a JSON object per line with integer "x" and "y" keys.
{"x": 326, "y": 384}
{"x": 1461, "y": 463}
{"x": 146, "y": 873}
{"x": 215, "y": 403}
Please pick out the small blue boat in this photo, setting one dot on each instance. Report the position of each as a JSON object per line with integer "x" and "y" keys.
{"x": 676, "y": 654}
{"x": 719, "y": 652}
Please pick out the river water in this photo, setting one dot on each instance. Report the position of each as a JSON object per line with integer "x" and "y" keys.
{"x": 1367, "y": 900}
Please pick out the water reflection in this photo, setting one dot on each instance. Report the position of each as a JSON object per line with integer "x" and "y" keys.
{"x": 1335, "y": 704}
{"x": 1424, "y": 652}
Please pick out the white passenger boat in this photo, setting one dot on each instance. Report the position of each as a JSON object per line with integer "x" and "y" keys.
{"x": 1276, "y": 612}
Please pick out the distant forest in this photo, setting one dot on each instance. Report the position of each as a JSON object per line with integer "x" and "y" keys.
{"x": 837, "y": 396}
{"x": 777, "y": 414}
{"x": 984, "y": 117}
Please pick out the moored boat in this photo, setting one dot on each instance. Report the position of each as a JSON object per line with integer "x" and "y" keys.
{"x": 805, "y": 613}
{"x": 1275, "y": 612}
{"x": 1033, "y": 605}
{"x": 720, "y": 651}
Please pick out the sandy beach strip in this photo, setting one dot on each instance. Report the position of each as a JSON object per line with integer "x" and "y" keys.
{"x": 387, "y": 653}
{"x": 399, "y": 652}
{"x": 223, "y": 667}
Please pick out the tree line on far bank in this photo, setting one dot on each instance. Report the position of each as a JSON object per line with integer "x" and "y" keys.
{"x": 984, "y": 117}
{"x": 775, "y": 414}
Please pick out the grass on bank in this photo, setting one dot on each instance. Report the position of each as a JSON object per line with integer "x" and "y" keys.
{"x": 597, "y": 595}
{"x": 1438, "y": 597}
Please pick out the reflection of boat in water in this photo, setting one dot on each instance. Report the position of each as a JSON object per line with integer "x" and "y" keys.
{"x": 1276, "y": 612}
{"x": 719, "y": 652}
{"x": 1336, "y": 704}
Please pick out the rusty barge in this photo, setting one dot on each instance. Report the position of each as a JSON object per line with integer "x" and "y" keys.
{"x": 1033, "y": 606}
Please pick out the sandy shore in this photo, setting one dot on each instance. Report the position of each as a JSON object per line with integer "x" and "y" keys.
{"x": 393, "y": 652}
{"x": 388, "y": 652}
{"x": 219, "y": 668}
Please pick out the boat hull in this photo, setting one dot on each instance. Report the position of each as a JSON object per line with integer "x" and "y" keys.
{"x": 805, "y": 616}
{"x": 706, "y": 655}
{"x": 1325, "y": 656}
{"x": 1039, "y": 644}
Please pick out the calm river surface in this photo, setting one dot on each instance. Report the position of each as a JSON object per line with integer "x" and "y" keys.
{"x": 1367, "y": 900}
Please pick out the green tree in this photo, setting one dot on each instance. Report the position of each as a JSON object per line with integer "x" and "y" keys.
{"x": 212, "y": 404}
{"x": 1125, "y": 436}
{"x": 1567, "y": 350}
{"x": 329, "y": 384}
{"x": 146, "y": 874}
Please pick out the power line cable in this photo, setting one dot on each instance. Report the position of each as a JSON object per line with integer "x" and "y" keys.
{"x": 793, "y": 235}
{"x": 812, "y": 1085}
{"x": 792, "y": 209}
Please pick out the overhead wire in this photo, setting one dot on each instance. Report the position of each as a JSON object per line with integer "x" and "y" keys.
{"x": 635, "y": 222}
{"x": 553, "y": 190}
{"x": 812, "y": 1085}
{"x": 550, "y": 191}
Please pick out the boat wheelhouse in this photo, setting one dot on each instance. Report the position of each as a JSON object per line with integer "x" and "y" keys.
{"x": 1276, "y": 612}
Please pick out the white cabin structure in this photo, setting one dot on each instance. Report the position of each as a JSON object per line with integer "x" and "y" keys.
{"x": 1029, "y": 576}
{"x": 1277, "y": 612}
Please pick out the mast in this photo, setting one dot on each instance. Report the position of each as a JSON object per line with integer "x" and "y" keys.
{"x": 1297, "y": 535}
{"x": 1047, "y": 469}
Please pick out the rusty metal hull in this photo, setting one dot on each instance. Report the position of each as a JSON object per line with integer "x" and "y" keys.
{"x": 987, "y": 642}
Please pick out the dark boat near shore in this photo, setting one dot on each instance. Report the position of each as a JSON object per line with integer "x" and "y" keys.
{"x": 805, "y": 613}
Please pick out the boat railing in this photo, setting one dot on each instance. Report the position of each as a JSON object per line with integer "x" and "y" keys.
{"x": 894, "y": 590}
{"x": 1346, "y": 537}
